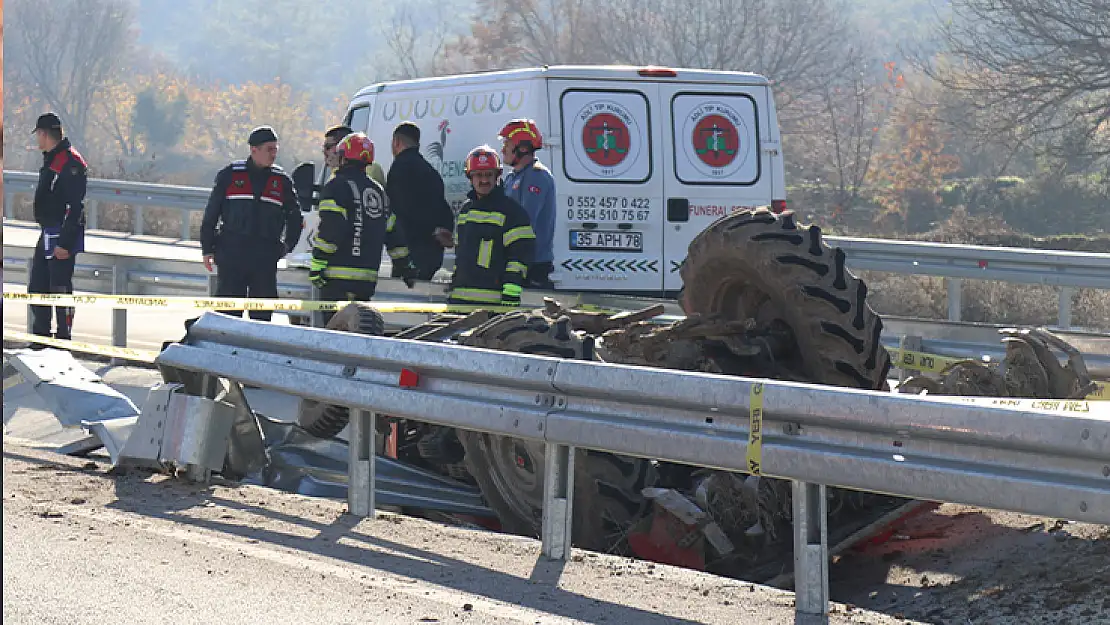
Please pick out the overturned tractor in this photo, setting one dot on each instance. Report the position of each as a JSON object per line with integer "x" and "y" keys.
{"x": 764, "y": 297}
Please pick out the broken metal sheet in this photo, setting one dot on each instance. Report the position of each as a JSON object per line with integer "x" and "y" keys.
{"x": 246, "y": 449}
{"x": 112, "y": 434}
{"x": 196, "y": 431}
{"x": 301, "y": 463}
{"x": 73, "y": 393}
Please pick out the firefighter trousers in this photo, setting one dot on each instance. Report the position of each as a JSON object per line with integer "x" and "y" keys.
{"x": 51, "y": 275}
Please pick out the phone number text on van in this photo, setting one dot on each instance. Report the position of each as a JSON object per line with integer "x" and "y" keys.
{"x": 608, "y": 208}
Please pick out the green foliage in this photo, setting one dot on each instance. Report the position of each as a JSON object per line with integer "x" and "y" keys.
{"x": 159, "y": 121}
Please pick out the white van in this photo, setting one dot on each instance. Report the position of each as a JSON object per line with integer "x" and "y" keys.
{"x": 643, "y": 158}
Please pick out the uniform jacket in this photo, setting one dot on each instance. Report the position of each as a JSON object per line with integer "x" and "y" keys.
{"x": 251, "y": 204}
{"x": 355, "y": 223}
{"x": 60, "y": 196}
{"x": 494, "y": 247}
{"x": 534, "y": 189}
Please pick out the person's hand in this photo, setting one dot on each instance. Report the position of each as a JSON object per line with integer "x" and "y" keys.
{"x": 316, "y": 277}
{"x": 445, "y": 237}
{"x": 208, "y": 260}
{"x": 61, "y": 253}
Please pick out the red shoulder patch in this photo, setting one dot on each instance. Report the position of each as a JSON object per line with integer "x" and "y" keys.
{"x": 534, "y": 189}
{"x": 60, "y": 160}
{"x": 78, "y": 157}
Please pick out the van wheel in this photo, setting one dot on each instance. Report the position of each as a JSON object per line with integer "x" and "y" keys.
{"x": 762, "y": 266}
{"x": 325, "y": 420}
{"x": 510, "y": 471}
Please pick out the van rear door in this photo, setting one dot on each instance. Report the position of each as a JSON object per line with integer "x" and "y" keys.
{"x": 714, "y": 162}
{"x": 608, "y": 227}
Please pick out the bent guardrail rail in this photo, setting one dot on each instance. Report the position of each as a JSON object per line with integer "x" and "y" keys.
{"x": 1025, "y": 458}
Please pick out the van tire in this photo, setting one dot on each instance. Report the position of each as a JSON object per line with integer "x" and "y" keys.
{"x": 608, "y": 497}
{"x": 762, "y": 265}
{"x": 325, "y": 420}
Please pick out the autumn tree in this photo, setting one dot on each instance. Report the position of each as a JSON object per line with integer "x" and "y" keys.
{"x": 909, "y": 175}
{"x": 62, "y": 52}
{"x": 521, "y": 33}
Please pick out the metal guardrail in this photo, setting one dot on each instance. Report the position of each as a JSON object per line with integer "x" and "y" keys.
{"x": 938, "y": 449}
{"x": 955, "y": 263}
{"x": 138, "y": 195}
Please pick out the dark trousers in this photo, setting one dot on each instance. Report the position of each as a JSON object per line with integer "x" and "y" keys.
{"x": 345, "y": 291}
{"x": 539, "y": 276}
{"x": 428, "y": 260}
{"x": 247, "y": 271}
{"x": 51, "y": 275}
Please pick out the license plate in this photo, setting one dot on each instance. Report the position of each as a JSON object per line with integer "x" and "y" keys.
{"x": 610, "y": 240}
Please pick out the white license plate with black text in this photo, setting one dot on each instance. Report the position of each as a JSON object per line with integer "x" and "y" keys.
{"x": 609, "y": 240}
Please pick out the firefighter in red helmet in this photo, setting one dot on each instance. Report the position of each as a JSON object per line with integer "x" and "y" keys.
{"x": 495, "y": 239}
{"x": 355, "y": 223}
{"x": 531, "y": 184}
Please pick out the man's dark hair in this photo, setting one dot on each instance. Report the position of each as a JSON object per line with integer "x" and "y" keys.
{"x": 408, "y": 133}
{"x": 338, "y": 131}
{"x": 54, "y": 133}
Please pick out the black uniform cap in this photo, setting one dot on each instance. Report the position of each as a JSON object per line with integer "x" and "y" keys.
{"x": 48, "y": 121}
{"x": 262, "y": 134}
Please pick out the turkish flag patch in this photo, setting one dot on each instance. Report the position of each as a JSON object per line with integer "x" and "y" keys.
{"x": 534, "y": 189}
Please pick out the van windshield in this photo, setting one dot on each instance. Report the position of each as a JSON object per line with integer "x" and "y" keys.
{"x": 359, "y": 118}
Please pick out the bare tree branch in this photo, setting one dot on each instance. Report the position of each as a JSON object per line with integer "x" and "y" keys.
{"x": 68, "y": 49}
{"x": 1036, "y": 67}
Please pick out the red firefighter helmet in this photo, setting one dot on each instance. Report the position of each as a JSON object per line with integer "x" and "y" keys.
{"x": 482, "y": 158}
{"x": 356, "y": 147}
{"x": 520, "y": 130}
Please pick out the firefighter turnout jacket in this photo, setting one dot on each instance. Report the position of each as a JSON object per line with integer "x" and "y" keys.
{"x": 251, "y": 204}
{"x": 495, "y": 246}
{"x": 60, "y": 197}
{"x": 355, "y": 223}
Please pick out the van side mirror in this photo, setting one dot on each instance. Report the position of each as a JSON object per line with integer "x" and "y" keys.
{"x": 304, "y": 182}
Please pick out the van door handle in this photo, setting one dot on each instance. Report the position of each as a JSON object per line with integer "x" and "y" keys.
{"x": 624, "y": 226}
{"x": 678, "y": 209}
{"x": 589, "y": 226}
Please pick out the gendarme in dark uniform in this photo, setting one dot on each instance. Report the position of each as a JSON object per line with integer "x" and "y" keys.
{"x": 251, "y": 222}
{"x": 60, "y": 212}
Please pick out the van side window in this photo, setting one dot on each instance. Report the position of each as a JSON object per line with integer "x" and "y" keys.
{"x": 716, "y": 139}
{"x": 606, "y": 136}
{"x": 359, "y": 119}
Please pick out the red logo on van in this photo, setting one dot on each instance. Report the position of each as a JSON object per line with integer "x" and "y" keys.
{"x": 716, "y": 140}
{"x": 606, "y": 139}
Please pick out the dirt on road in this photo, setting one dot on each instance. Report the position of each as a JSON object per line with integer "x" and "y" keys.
{"x": 970, "y": 566}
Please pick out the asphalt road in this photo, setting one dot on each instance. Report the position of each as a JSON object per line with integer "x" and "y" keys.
{"x": 83, "y": 546}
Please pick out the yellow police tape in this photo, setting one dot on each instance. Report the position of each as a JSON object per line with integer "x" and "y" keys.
{"x": 755, "y": 429}
{"x": 126, "y": 353}
{"x": 130, "y": 302}
{"x": 933, "y": 363}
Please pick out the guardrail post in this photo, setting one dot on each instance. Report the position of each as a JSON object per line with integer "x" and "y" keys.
{"x": 811, "y": 552}
{"x": 955, "y": 297}
{"x": 137, "y": 218}
{"x": 558, "y": 501}
{"x": 1064, "y": 316}
{"x": 911, "y": 344}
{"x": 119, "y": 315}
{"x": 360, "y": 473}
{"x": 92, "y": 219}
{"x": 9, "y": 205}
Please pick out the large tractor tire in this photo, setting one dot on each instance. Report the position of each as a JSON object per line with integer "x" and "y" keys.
{"x": 759, "y": 265}
{"x": 510, "y": 471}
{"x": 325, "y": 420}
